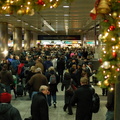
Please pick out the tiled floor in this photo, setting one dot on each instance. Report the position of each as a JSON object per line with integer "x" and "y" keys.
{"x": 23, "y": 105}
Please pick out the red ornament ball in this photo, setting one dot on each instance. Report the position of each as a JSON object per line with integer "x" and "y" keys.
{"x": 114, "y": 54}
{"x": 112, "y": 27}
{"x": 100, "y": 60}
{"x": 105, "y": 20}
{"x": 40, "y": 2}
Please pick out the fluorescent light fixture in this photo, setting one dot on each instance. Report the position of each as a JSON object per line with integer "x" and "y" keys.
{"x": 26, "y": 23}
{"x": 49, "y": 26}
{"x": 18, "y": 20}
{"x": 7, "y": 15}
{"x": 66, "y": 14}
{"x": 65, "y": 6}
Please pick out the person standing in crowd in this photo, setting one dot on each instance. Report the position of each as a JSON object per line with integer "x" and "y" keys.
{"x": 6, "y": 78}
{"x": 67, "y": 97}
{"x": 7, "y": 111}
{"x": 47, "y": 63}
{"x": 60, "y": 67}
{"x": 39, "y": 106}
{"x": 110, "y": 103}
{"x": 53, "y": 80}
{"x": 39, "y": 63}
{"x": 36, "y": 81}
{"x": 83, "y": 97}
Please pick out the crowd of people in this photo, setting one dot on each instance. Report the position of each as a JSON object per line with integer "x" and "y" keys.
{"x": 39, "y": 71}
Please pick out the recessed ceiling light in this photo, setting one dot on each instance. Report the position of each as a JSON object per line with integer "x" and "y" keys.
{"x": 18, "y": 20}
{"x": 66, "y": 14}
{"x": 65, "y": 6}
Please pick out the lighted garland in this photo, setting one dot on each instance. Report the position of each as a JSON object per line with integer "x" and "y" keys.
{"x": 109, "y": 11}
{"x": 28, "y": 6}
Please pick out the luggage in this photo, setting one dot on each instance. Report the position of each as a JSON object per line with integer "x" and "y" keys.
{"x": 19, "y": 90}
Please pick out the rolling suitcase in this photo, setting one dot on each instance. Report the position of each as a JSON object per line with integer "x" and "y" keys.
{"x": 19, "y": 90}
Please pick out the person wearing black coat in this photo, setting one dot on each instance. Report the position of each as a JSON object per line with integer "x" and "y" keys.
{"x": 83, "y": 97}
{"x": 60, "y": 67}
{"x": 39, "y": 106}
{"x": 67, "y": 97}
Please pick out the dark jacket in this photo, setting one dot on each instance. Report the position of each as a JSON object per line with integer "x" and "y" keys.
{"x": 6, "y": 77}
{"x": 65, "y": 84}
{"x": 39, "y": 107}
{"x": 110, "y": 101}
{"x": 37, "y": 80}
{"x": 8, "y": 112}
{"x": 83, "y": 98}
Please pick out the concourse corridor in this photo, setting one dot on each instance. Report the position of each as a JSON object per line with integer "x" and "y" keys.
{"x": 23, "y": 105}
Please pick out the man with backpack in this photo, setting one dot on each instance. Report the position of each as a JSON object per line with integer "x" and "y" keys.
{"x": 53, "y": 80}
{"x": 83, "y": 97}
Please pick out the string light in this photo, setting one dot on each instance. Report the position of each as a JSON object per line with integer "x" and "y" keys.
{"x": 18, "y": 7}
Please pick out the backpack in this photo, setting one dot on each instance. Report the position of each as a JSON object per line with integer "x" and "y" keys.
{"x": 96, "y": 103}
{"x": 52, "y": 79}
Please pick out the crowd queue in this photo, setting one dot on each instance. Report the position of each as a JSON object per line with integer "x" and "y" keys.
{"x": 38, "y": 72}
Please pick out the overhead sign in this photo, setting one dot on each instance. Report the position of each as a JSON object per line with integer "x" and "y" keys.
{"x": 58, "y": 37}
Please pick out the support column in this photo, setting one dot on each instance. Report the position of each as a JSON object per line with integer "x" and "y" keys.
{"x": 27, "y": 39}
{"x": 117, "y": 101}
{"x": 3, "y": 40}
{"x": 17, "y": 38}
{"x": 34, "y": 41}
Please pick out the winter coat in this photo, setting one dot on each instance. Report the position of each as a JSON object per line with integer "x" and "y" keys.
{"x": 65, "y": 84}
{"x": 6, "y": 77}
{"x": 8, "y": 112}
{"x": 37, "y": 80}
{"x": 39, "y": 107}
{"x": 83, "y": 98}
{"x": 110, "y": 101}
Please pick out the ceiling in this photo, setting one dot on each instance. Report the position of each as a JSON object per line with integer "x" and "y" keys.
{"x": 56, "y": 21}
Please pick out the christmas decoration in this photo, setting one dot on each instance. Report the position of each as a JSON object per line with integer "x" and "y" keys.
{"x": 93, "y": 13}
{"x": 40, "y": 2}
{"x": 100, "y": 60}
{"x": 103, "y": 7}
{"x": 109, "y": 12}
{"x": 114, "y": 54}
{"x": 106, "y": 65}
{"x": 111, "y": 28}
{"x": 29, "y": 7}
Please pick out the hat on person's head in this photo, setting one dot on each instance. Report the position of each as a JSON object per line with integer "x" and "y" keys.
{"x": 84, "y": 80}
{"x": 5, "y": 97}
{"x": 38, "y": 70}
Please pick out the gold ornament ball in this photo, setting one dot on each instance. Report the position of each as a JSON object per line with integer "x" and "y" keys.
{"x": 20, "y": 12}
{"x": 106, "y": 83}
{"x": 114, "y": 14}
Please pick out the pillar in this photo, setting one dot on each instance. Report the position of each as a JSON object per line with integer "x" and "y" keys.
{"x": 117, "y": 101}
{"x": 35, "y": 38}
{"x": 17, "y": 39}
{"x": 3, "y": 40}
{"x": 27, "y": 39}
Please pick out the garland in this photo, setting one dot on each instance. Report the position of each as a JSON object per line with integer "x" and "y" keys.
{"x": 109, "y": 11}
{"x": 28, "y": 6}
